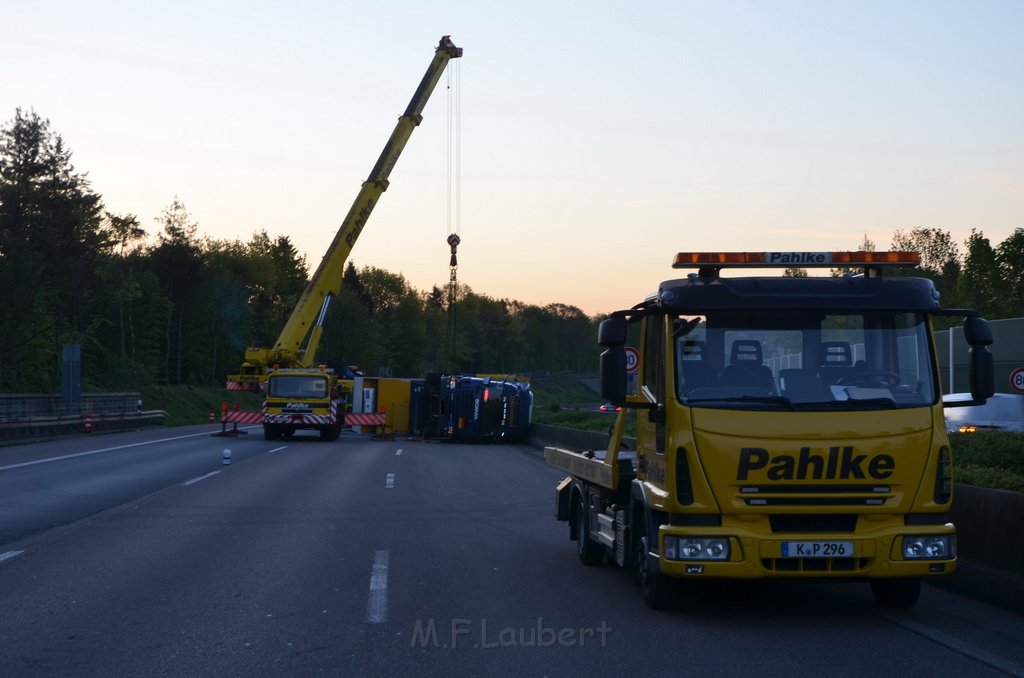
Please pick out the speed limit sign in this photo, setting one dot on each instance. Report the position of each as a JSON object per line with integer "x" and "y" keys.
{"x": 632, "y": 359}
{"x": 1016, "y": 379}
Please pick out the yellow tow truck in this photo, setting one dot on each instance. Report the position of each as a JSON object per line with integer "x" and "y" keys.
{"x": 300, "y": 394}
{"x": 786, "y": 427}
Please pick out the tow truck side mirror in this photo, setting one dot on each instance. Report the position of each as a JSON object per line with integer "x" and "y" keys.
{"x": 611, "y": 334}
{"x": 982, "y": 374}
{"x": 613, "y": 375}
{"x": 977, "y": 332}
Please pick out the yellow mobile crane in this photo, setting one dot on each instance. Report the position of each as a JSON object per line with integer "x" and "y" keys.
{"x": 300, "y": 394}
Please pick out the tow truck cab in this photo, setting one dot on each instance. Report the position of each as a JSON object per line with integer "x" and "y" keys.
{"x": 297, "y": 398}
{"x": 786, "y": 427}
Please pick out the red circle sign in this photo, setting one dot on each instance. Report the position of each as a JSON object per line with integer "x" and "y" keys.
{"x": 632, "y": 359}
{"x": 1017, "y": 380}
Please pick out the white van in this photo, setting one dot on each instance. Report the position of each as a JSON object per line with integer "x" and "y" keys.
{"x": 1001, "y": 412}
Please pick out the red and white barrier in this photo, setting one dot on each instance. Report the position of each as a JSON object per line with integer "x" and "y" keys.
{"x": 366, "y": 419}
{"x": 243, "y": 417}
{"x": 236, "y": 417}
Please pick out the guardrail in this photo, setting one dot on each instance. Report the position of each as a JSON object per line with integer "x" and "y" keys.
{"x": 32, "y": 415}
{"x": 24, "y": 406}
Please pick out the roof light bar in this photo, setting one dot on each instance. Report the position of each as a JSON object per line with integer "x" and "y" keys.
{"x": 794, "y": 259}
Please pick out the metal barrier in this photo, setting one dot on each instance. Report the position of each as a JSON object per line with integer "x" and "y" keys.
{"x": 33, "y": 415}
{"x": 26, "y": 406}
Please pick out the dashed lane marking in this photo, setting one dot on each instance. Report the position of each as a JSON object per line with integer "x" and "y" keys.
{"x": 377, "y": 605}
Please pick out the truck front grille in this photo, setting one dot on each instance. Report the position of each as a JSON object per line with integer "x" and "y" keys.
{"x": 815, "y": 564}
{"x": 813, "y": 523}
{"x": 816, "y": 495}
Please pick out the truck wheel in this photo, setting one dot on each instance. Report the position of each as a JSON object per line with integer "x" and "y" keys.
{"x": 896, "y": 594}
{"x": 270, "y": 432}
{"x": 590, "y": 552}
{"x": 657, "y": 589}
{"x": 330, "y": 433}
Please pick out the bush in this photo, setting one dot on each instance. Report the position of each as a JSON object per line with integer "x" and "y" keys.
{"x": 999, "y": 452}
{"x": 987, "y": 476}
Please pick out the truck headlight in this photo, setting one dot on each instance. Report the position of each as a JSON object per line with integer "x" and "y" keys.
{"x": 696, "y": 548}
{"x": 928, "y": 547}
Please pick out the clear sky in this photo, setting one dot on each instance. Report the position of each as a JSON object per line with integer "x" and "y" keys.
{"x": 597, "y": 138}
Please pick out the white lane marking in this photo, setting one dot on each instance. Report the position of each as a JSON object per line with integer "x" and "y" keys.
{"x": 390, "y": 482}
{"x": 277, "y": 449}
{"x": 399, "y": 452}
{"x": 377, "y": 605}
{"x": 105, "y": 449}
{"x": 196, "y": 480}
{"x": 9, "y": 555}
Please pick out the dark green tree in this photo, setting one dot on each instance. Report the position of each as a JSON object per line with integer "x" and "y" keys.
{"x": 575, "y": 336}
{"x": 396, "y": 313}
{"x": 435, "y": 321}
{"x": 275, "y": 275}
{"x": 940, "y": 256}
{"x": 980, "y": 280}
{"x": 51, "y": 248}
{"x": 177, "y": 261}
{"x": 1010, "y": 257}
{"x": 125, "y": 232}
{"x": 350, "y": 337}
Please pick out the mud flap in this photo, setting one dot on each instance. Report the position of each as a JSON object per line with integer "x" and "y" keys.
{"x": 563, "y": 494}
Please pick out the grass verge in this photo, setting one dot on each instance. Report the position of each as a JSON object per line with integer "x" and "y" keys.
{"x": 188, "y": 405}
{"x": 992, "y": 459}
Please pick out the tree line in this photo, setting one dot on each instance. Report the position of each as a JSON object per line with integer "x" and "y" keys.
{"x": 181, "y": 308}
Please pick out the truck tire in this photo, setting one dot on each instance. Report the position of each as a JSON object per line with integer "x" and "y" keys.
{"x": 590, "y": 552}
{"x": 330, "y": 433}
{"x": 657, "y": 590}
{"x": 270, "y": 432}
{"x": 896, "y": 594}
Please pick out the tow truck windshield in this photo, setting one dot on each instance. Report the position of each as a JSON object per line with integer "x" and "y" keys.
{"x": 804, "y": 360}
{"x": 297, "y": 386}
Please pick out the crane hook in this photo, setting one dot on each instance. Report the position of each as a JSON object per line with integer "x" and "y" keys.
{"x": 453, "y": 241}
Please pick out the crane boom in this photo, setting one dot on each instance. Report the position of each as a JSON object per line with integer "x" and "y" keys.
{"x": 306, "y": 320}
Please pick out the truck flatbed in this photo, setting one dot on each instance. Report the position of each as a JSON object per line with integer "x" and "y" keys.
{"x": 596, "y": 466}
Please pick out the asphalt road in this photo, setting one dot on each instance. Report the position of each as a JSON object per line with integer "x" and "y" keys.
{"x": 403, "y": 558}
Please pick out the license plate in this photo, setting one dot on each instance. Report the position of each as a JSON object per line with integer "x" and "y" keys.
{"x": 817, "y": 549}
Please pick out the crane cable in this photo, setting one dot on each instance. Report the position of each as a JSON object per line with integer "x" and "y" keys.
{"x": 454, "y": 153}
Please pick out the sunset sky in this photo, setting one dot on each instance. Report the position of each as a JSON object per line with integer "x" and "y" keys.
{"x": 596, "y": 139}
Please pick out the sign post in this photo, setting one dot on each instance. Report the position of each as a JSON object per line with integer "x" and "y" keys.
{"x": 1017, "y": 380}
{"x": 632, "y": 360}
{"x": 632, "y": 367}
